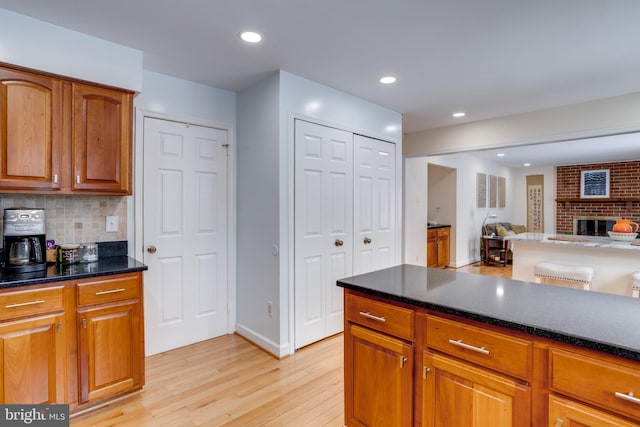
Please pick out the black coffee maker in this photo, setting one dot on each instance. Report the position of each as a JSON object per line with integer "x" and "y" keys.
{"x": 24, "y": 240}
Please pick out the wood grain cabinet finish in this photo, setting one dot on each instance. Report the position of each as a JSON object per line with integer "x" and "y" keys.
{"x": 101, "y": 144}
{"x": 60, "y": 135}
{"x": 379, "y": 363}
{"x": 460, "y": 394}
{"x": 565, "y": 413}
{"x": 33, "y": 351}
{"x": 438, "y": 247}
{"x": 31, "y": 123}
{"x": 110, "y": 339}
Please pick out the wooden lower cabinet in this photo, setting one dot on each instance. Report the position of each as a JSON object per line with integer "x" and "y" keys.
{"x": 379, "y": 389}
{"x": 438, "y": 247}
{"x": 110, "y": 338}
{"x": 456, "y": 394}
{"x": 33, "y": 358}
{"x": 566, "y": 413}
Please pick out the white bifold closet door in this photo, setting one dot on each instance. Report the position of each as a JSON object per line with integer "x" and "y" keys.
{"x": 374, "y": 205}
{"x": 344, "y": 214}
{"x": 323, "y": 191}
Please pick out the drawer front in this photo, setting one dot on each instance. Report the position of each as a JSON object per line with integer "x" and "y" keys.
{"x": 383, "y": 317}
{"x": 27, "y": 303}
{"x": 600, "y": 382}
{"x": 101, "y": 291}
{"x": 493, "y": 350}
{"x": 443, "y": 232}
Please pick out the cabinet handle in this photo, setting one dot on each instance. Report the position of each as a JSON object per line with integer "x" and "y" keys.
{"x": 367, "y": 240}
{"x": 59, "y": 327}
{"x": 559, "y": 422}
{"x": 111, "y": 291}
{"x": 459, "y": 343}
{"x": 84, "y": 323}
{"x": 372, "y": 317}
{"x": 22, "y": 304}
{"x": 55, "y": 178}
{"x": 403, "y": 360}
{"x": 425, "y": 371}
{"x": 628, "y": 397}
{"x": 77, "y": 179}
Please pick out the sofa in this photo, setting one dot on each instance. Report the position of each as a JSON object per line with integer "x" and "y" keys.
{"x": 500, "y": 229}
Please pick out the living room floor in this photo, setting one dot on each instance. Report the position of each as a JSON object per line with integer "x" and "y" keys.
{"x": 488, "y": 270}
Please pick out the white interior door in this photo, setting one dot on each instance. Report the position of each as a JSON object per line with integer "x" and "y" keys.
{"x": 374, "y": 204}
{"x": 323, "y": 228}
{"x": 185, "y": 220}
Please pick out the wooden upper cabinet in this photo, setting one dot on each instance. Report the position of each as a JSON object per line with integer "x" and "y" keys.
{"x": 30, "y": 131}
{"x": 101, "y": 143}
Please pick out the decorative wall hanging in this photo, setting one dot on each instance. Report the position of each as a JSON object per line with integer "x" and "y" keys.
{"x": 535, "y": 203}
{"x": 481, "y": 190}
{"x": 493, "y": 191}
{"x": 502, "y": 192}
{"x": 594, "y": 184}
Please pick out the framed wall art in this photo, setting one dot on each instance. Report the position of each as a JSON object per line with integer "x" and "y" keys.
{"x": 594, "y": 184}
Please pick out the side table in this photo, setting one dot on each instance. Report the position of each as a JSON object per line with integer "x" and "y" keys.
{"x": 494, "y": 250}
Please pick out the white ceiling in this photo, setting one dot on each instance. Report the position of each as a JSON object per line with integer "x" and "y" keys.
{"x": 489, "y": 58}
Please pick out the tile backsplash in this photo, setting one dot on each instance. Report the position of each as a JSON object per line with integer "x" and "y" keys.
{"x": 74, "y": 219}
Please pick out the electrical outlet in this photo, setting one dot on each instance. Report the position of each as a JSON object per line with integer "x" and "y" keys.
{"x": 111, "y": 223}
{"x": 270, "y": 308}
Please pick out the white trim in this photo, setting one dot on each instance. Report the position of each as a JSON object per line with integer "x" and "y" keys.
{"x": 263, "y": 342}
{"x": 138, "y": 215}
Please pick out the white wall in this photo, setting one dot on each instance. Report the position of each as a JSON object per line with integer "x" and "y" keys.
{"x": 468, "y": 220}
{"x": 42, "y": 46}
{"x": 258, "y": 279}
{"x": 520, "y": 195}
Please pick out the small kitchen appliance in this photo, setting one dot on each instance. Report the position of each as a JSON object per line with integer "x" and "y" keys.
{"x": 24, "y": 240}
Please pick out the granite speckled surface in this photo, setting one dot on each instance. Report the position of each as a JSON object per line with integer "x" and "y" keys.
{"x": 112, "y": 259}
{"x": 599, "y": 321}
{"x": 575, "y": 240}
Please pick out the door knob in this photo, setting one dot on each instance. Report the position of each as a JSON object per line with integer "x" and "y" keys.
{"x": 339, "y": 242}
{"x": 151, "y": 249}
{"x": 367, "y": 240}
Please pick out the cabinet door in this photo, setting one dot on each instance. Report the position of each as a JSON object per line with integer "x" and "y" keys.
{"x": 432, "y": 248}
{"x": 33, "y": 358}
{"x": 30, "y": 131}
{"x": 379, "y": 385}
{"x": 456, "y": 394}
{"x": 443, "y": 247}
{"x": 102, "y": 135}
{"x": 566, "y": 413}
{"x": 111, "y": 358}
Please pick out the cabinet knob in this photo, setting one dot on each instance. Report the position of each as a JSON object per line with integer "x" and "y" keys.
{"x": 151, "y": 249}
{"x": 367, "y": 240}
{"x": 339, "y": 242}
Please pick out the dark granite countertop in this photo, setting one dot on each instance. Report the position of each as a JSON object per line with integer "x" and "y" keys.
{"x": 56, "y": 272}
{"x": 599, "y": 321}
{"x": 431, "y": 225}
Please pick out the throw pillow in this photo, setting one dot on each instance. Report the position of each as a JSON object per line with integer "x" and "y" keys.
{"x": 501, "y": 230}
{"x": 519, "y": 228}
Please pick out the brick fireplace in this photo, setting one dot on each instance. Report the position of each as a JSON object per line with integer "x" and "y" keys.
{"x": 623, "y": 201}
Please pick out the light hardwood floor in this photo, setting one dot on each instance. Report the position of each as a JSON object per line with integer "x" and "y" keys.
{"x": 228, "y": 381}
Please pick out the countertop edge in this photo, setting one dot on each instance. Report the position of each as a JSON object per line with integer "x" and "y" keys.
{"x": 583, "y": 342}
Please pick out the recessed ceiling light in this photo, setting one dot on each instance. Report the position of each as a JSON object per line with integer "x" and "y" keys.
{"x": 387, "y": 80}
{"x": 458, "y": 114}
{"x": 527, "y": 164}
{"x": 500, "y": 154}
{"x": 250, "y": 36}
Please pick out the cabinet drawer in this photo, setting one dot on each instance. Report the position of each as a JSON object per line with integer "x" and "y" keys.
{"x": 387, "y": 318}
{"x": 600, "y": 382}
{"x": 29, "y": 302}
{"x": 493, "y": 350}
{"x": 443, "y": 232}
{"x": 116, "y": 289}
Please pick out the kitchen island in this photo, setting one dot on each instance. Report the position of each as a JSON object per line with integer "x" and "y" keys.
{"x": 508, "y": 352}
{"x": 612, "y": 261}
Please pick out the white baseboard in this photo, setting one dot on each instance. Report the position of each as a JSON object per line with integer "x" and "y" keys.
{"x": 263, "y": 342}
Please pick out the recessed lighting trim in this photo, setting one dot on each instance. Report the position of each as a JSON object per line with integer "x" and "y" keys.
{"x": 250, "y": 36}
{"x": 387, "y": 80}
{"x": 458, "y": 114}
{"x": 500, "y": 154}
{"x": 527, "y": 164}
